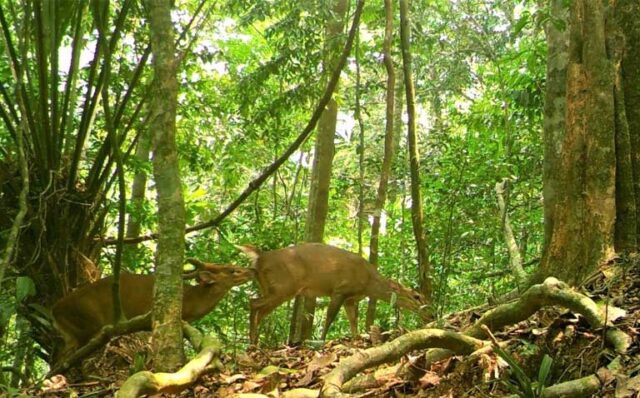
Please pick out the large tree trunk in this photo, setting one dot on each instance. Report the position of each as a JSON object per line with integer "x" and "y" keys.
{"x": 626, "y": 222}
{"x": 627, "y": 12}
{"x": 584, "y": 214}
{"x": 167, "y": 295}
{"x": 302, "y": 317}
{"x": 414, "y": 159}
{"x": 554, "y": 110}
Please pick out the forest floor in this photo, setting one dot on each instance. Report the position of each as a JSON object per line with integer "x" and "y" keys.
{"x": 576, "y": 350}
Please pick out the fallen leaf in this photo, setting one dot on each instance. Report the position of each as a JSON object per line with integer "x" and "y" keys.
{"x": 232, "y": 379}
{"x": 430, "y": 379}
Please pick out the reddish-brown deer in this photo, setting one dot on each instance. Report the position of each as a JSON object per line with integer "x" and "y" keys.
{"x": 316, "y": 269}
{"x": 80, "y": 315}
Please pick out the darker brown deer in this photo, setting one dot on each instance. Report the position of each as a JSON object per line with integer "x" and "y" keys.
{"x": 81, "y": 315}
{"x": 315, "y": 269}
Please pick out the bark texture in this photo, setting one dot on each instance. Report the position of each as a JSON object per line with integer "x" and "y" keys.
{"x": 627, "y": 12}
{"x": 166, "y": 314}
{"x": 584, "y": 214}
{"x": 554, "y": 109}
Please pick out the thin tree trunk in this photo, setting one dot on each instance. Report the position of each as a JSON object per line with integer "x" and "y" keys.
{"x": 515, "y": 258}
{"x": 138, "y": 193}
{"x": 167, "y": 293}
{"x": 22, "y": 350}
{"x": 389, "y": 149}
{"x": 322, "y": 164}
{"x": 416, "y": 196}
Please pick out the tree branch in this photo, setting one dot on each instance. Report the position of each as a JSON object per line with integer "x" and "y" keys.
{"x": 257, "y": 182}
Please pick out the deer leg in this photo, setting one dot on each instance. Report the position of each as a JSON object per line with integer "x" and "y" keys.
{"x": 351, "y": 308}
{"x": 334, "y": 305}
{"x": 260, "y": 308}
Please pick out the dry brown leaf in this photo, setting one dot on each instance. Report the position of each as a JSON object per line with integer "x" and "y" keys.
{"x": 232, "y": 379}
{"x": 55, "y": 383}
{"x": 612, "y": 313}
{"x": 627, "y": 387}
{"x": 250, "y": 385}
{"x": 430, "y": 379}
{"x": 300, "y": 393}
{"x": 322, "y": 361}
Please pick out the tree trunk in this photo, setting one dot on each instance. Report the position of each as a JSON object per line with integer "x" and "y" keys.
{"x": 554, "y": 110}
{"x": 389, "y": 149}
{"x": 167, "y": 294}
{"x": 584, "y": 215}
{"x": 138, "y": 193}
{"x": 625, "y": 222}
{"x": 321, "y": 169}
{"x": 416, "y": 196}
{"x": 627, "y": 12}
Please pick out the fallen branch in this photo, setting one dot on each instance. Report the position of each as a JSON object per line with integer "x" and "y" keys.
{"x": 146, "y": 382}
{"x": 419, "y": 339}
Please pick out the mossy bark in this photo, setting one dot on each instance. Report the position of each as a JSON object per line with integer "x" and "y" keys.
{"x": 584, "y": 214}
{"x": 627, "y": 12}
{"x": 167, "y": 309}
{"x": 555, "y": 105}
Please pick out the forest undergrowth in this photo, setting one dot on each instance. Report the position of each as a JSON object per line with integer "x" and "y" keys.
{"x": 572, "y": 347}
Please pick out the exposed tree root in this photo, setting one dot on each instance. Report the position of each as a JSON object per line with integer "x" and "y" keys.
{"x": 135, "y": 324}
{"x": 420, "y": 339}
{"x": 578, "y": 388}
{"x": 146, "y": 382}
{"x": 550, "y": 292}
{"x": 444, "y": 344}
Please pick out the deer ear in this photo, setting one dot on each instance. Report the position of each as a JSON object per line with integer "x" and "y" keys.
{"x": 206, "y": 277}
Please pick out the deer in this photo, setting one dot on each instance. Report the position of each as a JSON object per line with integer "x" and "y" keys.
{"x": 316, "y": 269}
{"x": 79, "y": 316}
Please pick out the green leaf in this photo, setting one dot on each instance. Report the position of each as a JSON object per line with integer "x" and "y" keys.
{"x": 543, "y": 373}
{"x": 24, "y": 288}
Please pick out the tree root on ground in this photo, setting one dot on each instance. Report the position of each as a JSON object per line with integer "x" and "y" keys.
{"x": 445, "y": 344}
{"x": 456, "y": 343}
{"x": 146, "y": 382}
{"x": 135, "y": 324}
{"x": 578, "y": 388}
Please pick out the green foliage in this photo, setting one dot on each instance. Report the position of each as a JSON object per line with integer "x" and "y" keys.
{"x": 521, "y": 384}
{"x": 24, "y": 288}
{"x": 248, "y": 84}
